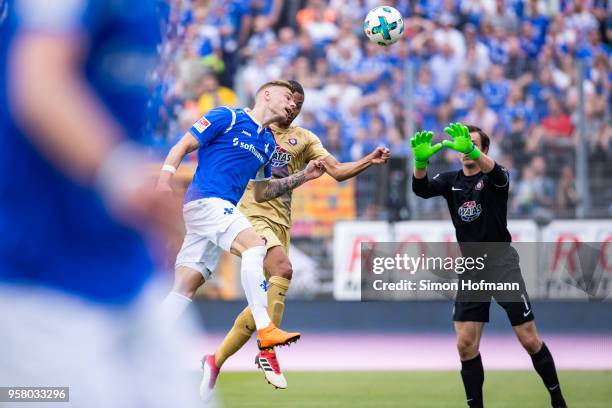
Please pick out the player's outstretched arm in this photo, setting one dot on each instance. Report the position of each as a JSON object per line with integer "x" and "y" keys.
{"x": 186, "y": 145}
{"x": 462, "y": 143}
{"x": 265, "y": 190}
{"x": 343, "y": 171}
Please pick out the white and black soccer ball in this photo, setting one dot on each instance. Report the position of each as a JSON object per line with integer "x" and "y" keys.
{"x": 384, "y": 25}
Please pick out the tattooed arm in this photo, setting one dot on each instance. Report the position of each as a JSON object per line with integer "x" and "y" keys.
{"x": 269, "y": 189}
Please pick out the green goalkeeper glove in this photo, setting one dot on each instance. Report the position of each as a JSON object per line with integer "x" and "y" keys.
{"x": 462, "y": 142}
{"x": 422, "y": 149}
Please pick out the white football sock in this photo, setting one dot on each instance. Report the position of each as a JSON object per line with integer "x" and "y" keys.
{"x": 173, "y": 306}
{"x": 254, "y": 284}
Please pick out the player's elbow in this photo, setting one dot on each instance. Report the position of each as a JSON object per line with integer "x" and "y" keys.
{"x": 339, "y": 177}
{"x": 335, "y": 173}
{"x": 419, "y": 192}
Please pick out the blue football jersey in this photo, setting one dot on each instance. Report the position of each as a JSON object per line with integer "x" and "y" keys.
{"x": 234, "y": 149}
{"x": 54, "y": 232}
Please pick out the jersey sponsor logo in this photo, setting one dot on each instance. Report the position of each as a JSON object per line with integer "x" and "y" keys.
{"x": 244, "y": 132}
{"x": 280, "y": 157}
{"x": 469, "y": 211}
{"x": 249, "y": 147}
{"x": 479, "y": 185}
{"x": 292, "y": 141}
{"x": 201, "y": 124}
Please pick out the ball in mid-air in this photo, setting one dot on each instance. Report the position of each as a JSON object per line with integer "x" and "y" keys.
{"x": 384, "y": 25}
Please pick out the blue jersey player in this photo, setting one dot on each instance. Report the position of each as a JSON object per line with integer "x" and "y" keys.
{"x": 74, "y": 264}
{"x": 234, "y": 146}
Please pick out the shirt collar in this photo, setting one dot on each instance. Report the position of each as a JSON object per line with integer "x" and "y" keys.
{"x": 259, "y": 127}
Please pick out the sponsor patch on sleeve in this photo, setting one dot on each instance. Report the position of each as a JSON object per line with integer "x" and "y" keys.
{"x": 201, "y": 124}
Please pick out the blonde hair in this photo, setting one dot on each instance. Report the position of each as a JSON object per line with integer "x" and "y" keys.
{"x": 276, "y": 82}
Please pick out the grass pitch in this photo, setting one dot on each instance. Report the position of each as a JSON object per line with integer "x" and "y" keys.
{"x": 415, "y": 389}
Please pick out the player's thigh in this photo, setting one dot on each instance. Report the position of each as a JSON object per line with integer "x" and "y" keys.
{"x": 277, "y": 263}
{"x": 187, "y": 279}
{"x": 247, "y": 238}
{"x": 470, "y": 311}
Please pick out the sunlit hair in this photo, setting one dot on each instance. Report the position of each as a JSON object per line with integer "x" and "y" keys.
{"x": 270, "y": 84}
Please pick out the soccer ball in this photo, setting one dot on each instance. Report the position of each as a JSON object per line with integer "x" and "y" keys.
{"x": 383, "y": 25}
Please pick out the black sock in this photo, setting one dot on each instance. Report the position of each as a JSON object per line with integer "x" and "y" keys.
{"x": 545, "y": 366}
{"x": 472, "y": 374}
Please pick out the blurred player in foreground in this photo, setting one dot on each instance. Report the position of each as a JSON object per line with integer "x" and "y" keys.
{"x": 75, "y": 267}
{"x": 477, "y": 198}
{"x": 295, "y": 146}
{"x": 235, "y": 146}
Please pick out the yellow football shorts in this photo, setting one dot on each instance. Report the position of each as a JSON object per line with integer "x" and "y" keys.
{"x": 274, "y": 234}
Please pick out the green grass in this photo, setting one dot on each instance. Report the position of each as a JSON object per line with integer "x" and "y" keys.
{"x": 415, "y": 389}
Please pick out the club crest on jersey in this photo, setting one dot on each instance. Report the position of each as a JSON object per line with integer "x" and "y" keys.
{"x": 281, "y": 157}
{"x": 202, "y": 124}
{"x": 469, "y": 211}
{"x": 292, "y": 141}
{"x": 479, "y": 185}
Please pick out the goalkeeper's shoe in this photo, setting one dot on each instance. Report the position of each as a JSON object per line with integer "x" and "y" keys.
{"x": 272, "y": 336}
{"x": 267, "y": 362}
{"x": 209, "y": 378}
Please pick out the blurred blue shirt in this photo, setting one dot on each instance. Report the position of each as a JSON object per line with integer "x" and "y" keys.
{"x": 54, "y": 232}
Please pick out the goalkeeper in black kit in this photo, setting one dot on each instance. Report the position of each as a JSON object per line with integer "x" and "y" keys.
{"x": 477, "y": 198}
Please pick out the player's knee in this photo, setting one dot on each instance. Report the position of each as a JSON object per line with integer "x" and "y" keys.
{"x": 284, "y": 269}
{"x": 467, "y": 346}
{"x": 531, "y": 342}
{"x": 187, "y": 281}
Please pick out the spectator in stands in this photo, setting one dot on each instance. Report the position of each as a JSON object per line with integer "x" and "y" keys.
{"x": 496, "y": 88}
{"x": 261, "y": 37}
{"x": 258, "y": 71}
{"x": 556, "y": 124}
{"x": 321, "y": 29}
{"x": 463, "y": 97}
{"x": 397, "y": 144}
{"x": 477, "y": 58}
{"x": 213, "y": 95}
{"x": 503, "y": 17}
{"x": 445, "y": 66}
{"x": 426, "y": 99}
{"x": 567, "y": 196}
{"x": 482, "y": 116}
{"x": 448, "y": 35}
{"x": 535, "y": 190}
{"x": 333, "y": 142}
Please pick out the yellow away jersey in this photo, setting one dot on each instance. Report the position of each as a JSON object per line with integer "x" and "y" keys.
{"x": 295, "y": 147}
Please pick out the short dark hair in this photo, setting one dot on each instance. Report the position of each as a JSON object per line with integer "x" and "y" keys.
{"x": 297, "y": 87}
{"x": 485, "y": 140}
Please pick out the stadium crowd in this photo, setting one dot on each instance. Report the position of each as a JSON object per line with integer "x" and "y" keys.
{"x": 508, "y": 66}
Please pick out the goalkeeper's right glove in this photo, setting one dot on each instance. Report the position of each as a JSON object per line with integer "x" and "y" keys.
{"x": 422, "y": 149}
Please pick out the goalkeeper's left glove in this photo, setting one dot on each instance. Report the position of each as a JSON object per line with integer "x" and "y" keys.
{"x": 462, "y": 142}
